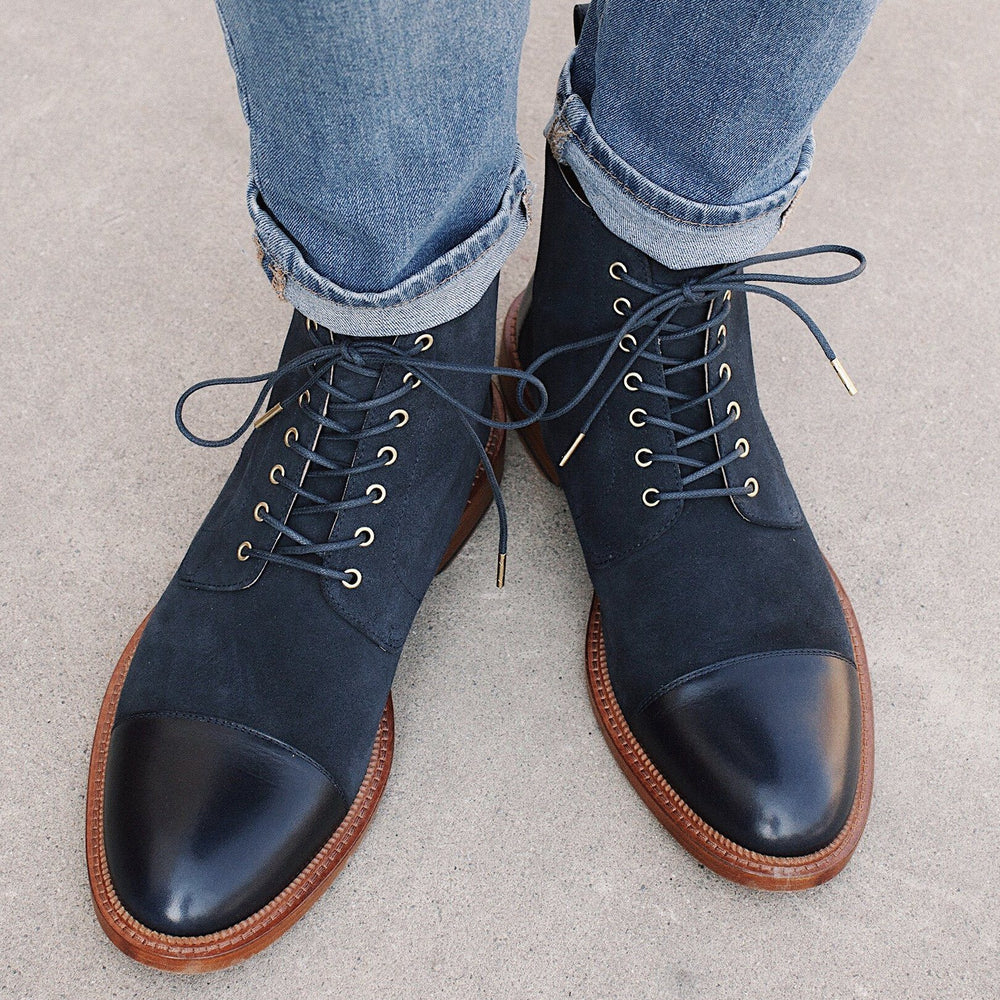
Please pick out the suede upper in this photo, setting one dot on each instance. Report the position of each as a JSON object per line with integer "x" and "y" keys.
{"x": 707, "y": 579}
{"x": 302, "y": 659}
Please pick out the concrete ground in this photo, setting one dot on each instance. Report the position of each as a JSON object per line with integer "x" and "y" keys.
{"x": 510, "y": 857}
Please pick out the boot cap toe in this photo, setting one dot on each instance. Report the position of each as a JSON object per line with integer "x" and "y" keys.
{"x": 205, "y": 822}
{"x": 766, "y": 749}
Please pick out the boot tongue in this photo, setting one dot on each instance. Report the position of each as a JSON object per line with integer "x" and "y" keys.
{"x": 692, "y": 383}
{"x": 337, "y": 448}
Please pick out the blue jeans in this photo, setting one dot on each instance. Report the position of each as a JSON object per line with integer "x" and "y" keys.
{"x": 387, "y": 186}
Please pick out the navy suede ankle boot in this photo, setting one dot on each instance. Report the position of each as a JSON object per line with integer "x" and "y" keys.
{"x": 724, "y": 660}
{"x": 246, "y": 735}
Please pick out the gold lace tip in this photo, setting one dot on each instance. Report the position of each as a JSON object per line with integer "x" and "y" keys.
{"x": 844, "y": 377}
{"x": 572, "y": 448}
{"x": 264, "y": 417}
{"x": 501, "y": 569}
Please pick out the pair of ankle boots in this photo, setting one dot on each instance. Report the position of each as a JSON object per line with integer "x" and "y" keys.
{"x": 246, "y": 735}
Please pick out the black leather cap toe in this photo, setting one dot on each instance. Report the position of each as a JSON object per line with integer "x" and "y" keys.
{"x": 206, "y": 822}
{"x": 766, "y": 749}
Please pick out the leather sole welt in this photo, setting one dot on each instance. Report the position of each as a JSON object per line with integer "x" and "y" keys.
{"x": 709, "y": 846}
{"x": 225, "y": 947}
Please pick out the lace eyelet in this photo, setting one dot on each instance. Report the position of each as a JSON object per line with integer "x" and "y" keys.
{"x": 728, "y": 295}
{"x": 311, "y": 324}
{"x": 369, "y": 536}
{"x": 742, "y": 447}
{"x": 292, "y": 434}
{"x": 643, "y": 451}
{"x": 304, "y": 398}
{"x": 356, "y": 578}
{"x": 393, "y": 454}
{"x": 720, "y": 335}
{"x": 647, "y": 501}
{"x": 625, "y": 381}
{"x": 379, "y": 488}
{"x": 733, "y": 409}
{"x": 403, "y": 417}
{"x": 628, "y": 305}
{"x": 752, "y": 487}
{"x": 261, "y": 508}
{"x": 426, "y": 340}
{"x": 410, "y": 379}
{"x": 725, "y": 372}
{"x": 278, "y": 470}
{"x": 632, "y": 417}
{"x": 618, "y": 276}
{"x": 243, "y": 552}
{"x": 621, "y": 343}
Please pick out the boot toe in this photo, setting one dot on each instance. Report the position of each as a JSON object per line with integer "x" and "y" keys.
{"x": 206, "y": 822}
{"x": 766, "y": 749}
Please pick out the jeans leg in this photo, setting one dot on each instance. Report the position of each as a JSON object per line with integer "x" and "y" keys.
{"x": 386, "y": 182}
{"x": 689, "y": 124}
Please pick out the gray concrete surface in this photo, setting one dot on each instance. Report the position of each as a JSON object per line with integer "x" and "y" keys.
{"x": 510, "y": 858}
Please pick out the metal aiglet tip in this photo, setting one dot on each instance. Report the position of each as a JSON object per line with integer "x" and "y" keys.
{"x": 844, "y": 377}
{"x": 264, "y": 417}
{"x": 572, "y": 448}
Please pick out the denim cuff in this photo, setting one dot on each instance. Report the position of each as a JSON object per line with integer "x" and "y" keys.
{"x": 445, "y": 289}
{"x": 668, "y": 227}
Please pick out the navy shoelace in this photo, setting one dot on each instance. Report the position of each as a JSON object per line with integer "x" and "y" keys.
{"x": 364, "y": 357}
{"x": 652, "y": 323}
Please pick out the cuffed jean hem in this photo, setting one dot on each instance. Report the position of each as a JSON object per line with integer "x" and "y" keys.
{"x": 674, "y": 230}
{"x": 445, "y": 289}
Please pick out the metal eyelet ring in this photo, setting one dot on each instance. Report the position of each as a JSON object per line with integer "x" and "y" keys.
{"x": 632, "y": 416}
{"x": 410, "y": 378}
{"x": 278, "y": 470}
{"x": 370, "y": 536}
{"x": 728, "y": 295}
{"x": 752, "y": 487}
{"x": 725, "y": 371}
{"x": 643, "y": 451}
{"x": 743, "y": 447}
{"x": 721, "y": 335}
{"x": 292, "y": 434}
{"x": 617, "y": 275}
{"x": 304, "y": 398}
{"x": 393, "y": 454}
{"x": 628, "y": 385}
{"x": 261, "y": 508}
{"x": 628, "y": 305}
{"x": 355, "y": 577}
{"x": 733, "y": 409}
{"x": 621, "y": 343}
{"x": 403, "y": 417}
{"x": 379, "y": 488}
{"x": 647, "y": 501}
{"x": 311, "y": 324}
{"x": 243, "y": 552}
{"x": 426, "y": 340}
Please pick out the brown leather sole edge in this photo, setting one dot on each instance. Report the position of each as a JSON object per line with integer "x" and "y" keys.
{"x": 226, "y": 947}
{"x": 710, "y": 847}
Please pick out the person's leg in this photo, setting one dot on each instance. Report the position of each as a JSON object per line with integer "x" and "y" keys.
{"x": 386, "y": 182}
{"x": 246, "y": 735}
{"x": 724, "y": 661}
{"x": 689, "y": 125}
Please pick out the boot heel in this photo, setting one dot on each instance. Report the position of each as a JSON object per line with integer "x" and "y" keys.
{"x": 531, "y": 436}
